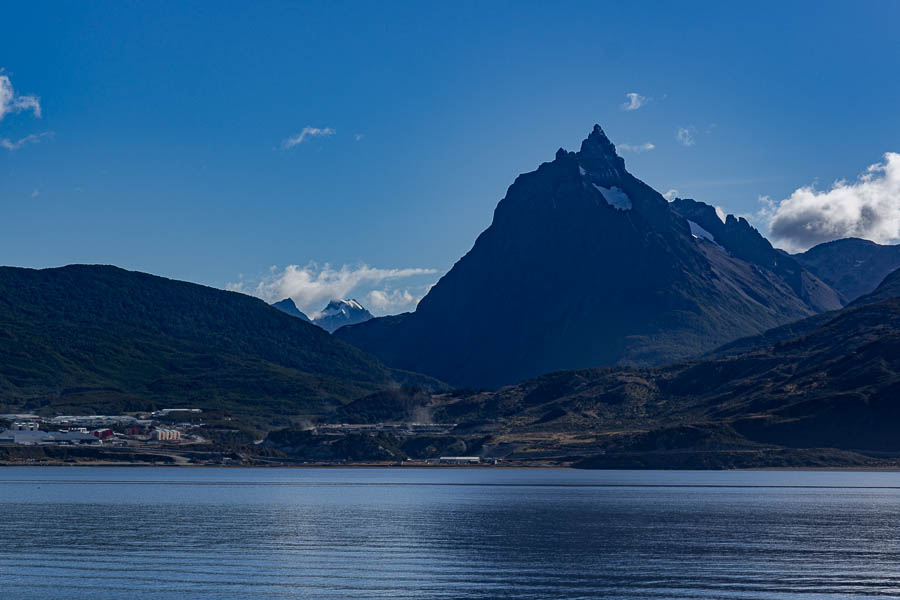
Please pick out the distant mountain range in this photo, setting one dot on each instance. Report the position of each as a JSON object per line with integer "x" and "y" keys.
{"x": 852, "y": 266}
{"x": 335, "y": 315}
{"x": 89, "y": 339}
{"x": 586, "y": 265}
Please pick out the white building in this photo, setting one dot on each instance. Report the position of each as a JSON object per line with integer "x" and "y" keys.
{"x": 165, "y": 435}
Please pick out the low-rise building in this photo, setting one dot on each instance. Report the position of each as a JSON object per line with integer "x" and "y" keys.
{"x": 165, "y": 435}
{"x": 24, "y": 426}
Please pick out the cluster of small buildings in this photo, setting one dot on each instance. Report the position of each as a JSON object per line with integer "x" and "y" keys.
{"x": 25, "y": 429}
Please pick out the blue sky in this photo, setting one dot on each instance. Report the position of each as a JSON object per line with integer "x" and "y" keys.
{"x": 162, "y": 141}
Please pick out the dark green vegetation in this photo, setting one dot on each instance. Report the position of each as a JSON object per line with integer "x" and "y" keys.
{"x": 98, "y": 339}
{"x": 568, "y": 276}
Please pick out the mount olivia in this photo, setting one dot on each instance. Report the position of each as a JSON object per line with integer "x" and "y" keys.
{"x": 586, "y": 265}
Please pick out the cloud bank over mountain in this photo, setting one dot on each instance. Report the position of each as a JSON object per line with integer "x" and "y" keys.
{"x": 868, "y": 208}
{"x": 312, "y": 286}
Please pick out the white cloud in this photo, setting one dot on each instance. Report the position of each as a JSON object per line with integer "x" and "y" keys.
{"x": 868, "y": 208}
{"x": 635, "y": 101}
{"x": 308, "y": 132}
{"x": 10, "y": 102}
{"x": 670, "y": 195}
{"x": 358, "y": 136}
{"x": 685, "y": 136}
{"x": 35, "y": 193}
{"x": 34, "y": 138}
{"x": 638, "y": 148}
{"x": 392, "y": 301}
{"x": 312, "y": 286}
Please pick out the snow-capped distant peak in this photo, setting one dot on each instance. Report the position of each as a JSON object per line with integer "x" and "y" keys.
{"x": 341, "y": 312}
{"x": 341, "y": 306}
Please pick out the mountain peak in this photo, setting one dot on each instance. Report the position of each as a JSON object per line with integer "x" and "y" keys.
{"x": 339, "y": 305}
{"x": 287, "y": 306}
{"x": 598, "y": 153}
{"x": 597, "y": 142}
{"x": 341, "y": 312}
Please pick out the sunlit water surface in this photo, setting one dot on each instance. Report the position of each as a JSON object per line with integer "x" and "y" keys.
{"x": 99, "y": 533}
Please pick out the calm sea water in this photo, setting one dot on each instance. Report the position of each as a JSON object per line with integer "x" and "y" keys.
{"x": 99, "y": 533}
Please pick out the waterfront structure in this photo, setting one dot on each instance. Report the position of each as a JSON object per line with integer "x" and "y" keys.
{"x": 47, "y": 438}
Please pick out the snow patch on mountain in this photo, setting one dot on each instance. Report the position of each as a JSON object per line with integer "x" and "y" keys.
{"x": 702, "y": 234}
{"x": 615, "y": 197}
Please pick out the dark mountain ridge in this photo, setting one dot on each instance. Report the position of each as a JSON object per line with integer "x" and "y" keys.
{"x": 586, "y": 265}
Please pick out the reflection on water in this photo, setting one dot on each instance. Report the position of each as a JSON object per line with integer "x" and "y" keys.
{"x": 446, "y": 533}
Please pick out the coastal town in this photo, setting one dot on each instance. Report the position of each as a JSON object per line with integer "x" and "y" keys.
{"x": 94, "y": 430}
{"x": 182, "y": 436}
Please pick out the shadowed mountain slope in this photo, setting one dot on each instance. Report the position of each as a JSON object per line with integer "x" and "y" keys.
{"x": 889, "y": 288}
